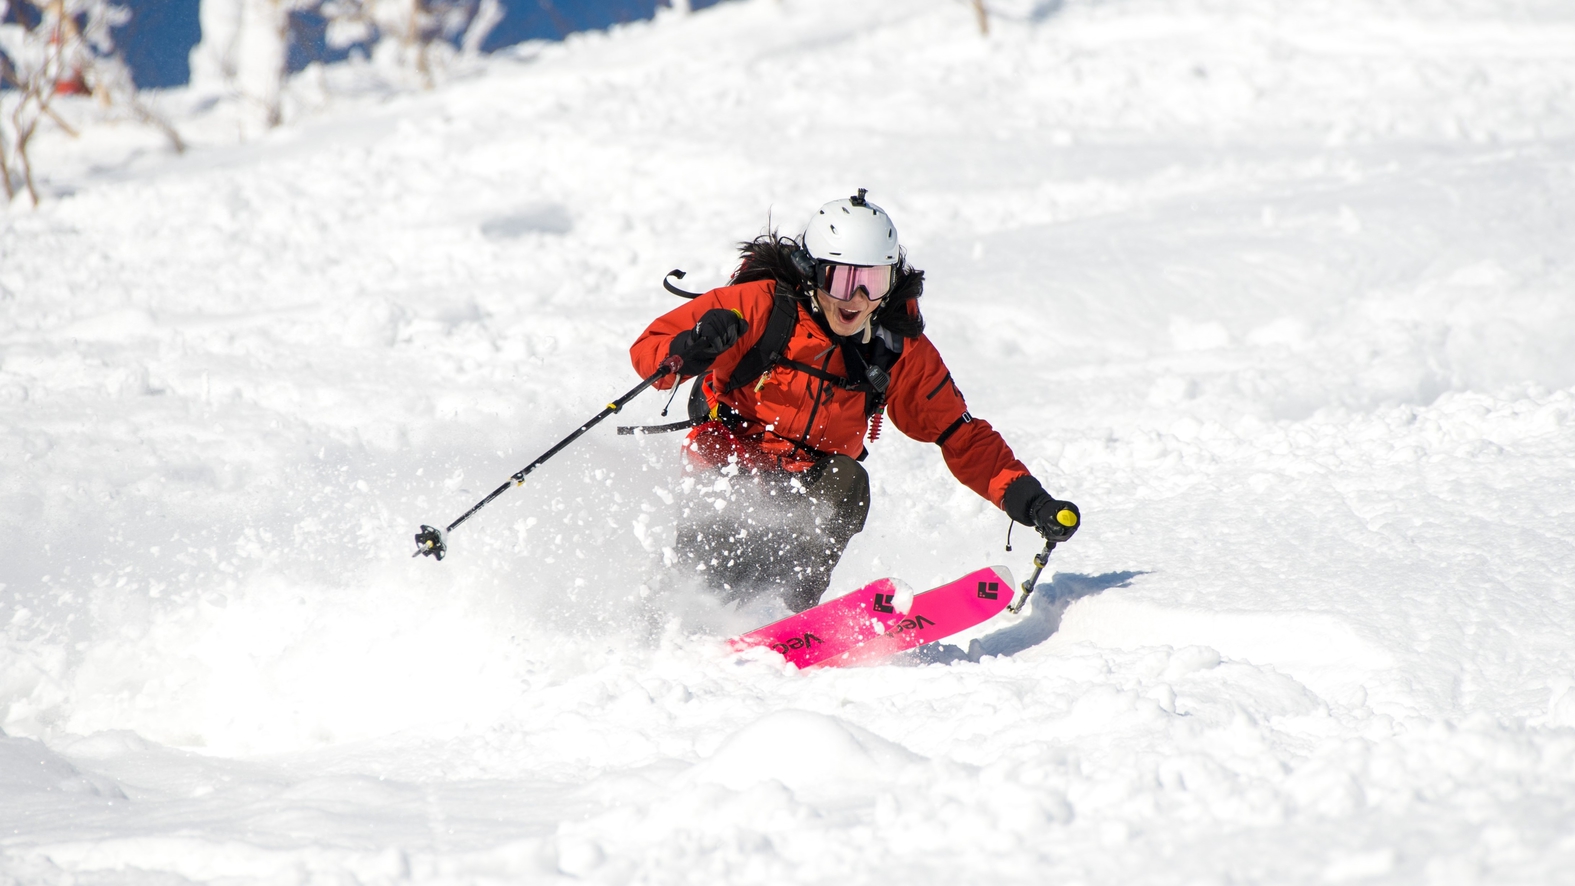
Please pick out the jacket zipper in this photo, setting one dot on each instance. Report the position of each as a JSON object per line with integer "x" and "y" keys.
{"x": 814, "y": 410}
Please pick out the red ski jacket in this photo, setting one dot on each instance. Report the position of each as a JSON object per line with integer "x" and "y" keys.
{"x": 791, "y": 419}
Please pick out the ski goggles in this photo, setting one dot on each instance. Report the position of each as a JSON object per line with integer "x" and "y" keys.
{"x": 841, "y": 282}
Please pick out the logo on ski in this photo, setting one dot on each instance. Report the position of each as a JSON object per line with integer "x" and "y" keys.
{"x": 989, "y": 590}
{"x": 909, "y": 624}
{"x": 883, "y": 603}
{"x": 803, "y": 642}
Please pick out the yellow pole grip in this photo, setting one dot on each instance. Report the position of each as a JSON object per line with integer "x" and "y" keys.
{"x": 1066, "y": 518}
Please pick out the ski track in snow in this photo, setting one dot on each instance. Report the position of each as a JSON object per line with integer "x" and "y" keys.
{"x": 1279, "y": 293}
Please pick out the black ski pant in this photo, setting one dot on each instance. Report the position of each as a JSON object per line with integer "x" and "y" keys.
{"x": 773, "y": 531}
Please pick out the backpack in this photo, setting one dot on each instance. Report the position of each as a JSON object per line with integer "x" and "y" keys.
{"x": 767, "y": 353}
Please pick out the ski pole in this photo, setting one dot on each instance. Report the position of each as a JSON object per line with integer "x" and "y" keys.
{"x": 431, "y": 541}
{"x": 1040, "y": 560}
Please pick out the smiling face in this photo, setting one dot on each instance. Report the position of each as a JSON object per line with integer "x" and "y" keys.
{"x": 846, "y": 317}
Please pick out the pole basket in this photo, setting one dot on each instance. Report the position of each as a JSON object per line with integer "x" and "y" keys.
{"x": 430, "y": 543}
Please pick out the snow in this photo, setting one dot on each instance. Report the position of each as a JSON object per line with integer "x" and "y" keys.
{"x": 1279, "y": 293}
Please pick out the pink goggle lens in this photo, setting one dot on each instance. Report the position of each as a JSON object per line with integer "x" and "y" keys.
{"x": 842, "y": 281}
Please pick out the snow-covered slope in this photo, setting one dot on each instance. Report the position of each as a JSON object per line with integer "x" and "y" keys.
{"x": 1279, "y": 292}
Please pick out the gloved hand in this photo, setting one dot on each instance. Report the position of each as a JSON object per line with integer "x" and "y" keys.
{"x": 718, "y": 330}
{"x": 1056, "y": 520}
{"x": 1027, "y": 502}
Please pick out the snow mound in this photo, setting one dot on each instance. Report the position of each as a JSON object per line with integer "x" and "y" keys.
{"x": 28, "y": 766}
{"x": 804, "y": 751}
{"x": 1317, "y": 649}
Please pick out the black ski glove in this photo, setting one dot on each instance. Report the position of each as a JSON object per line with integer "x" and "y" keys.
{"x": 1027, "y": 502}
{"x": 718, "y": 330}
{"x": 1056, "y": 520}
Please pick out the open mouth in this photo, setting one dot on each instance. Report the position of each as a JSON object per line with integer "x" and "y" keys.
{"x": 847, "y": 315}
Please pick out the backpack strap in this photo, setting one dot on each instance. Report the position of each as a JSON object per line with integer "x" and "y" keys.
{"x": 766, "y": 353}
{"x": 681, "y": 293}
{"x": 869, "y": 375}
{"x": 813, "y": 372}
{"x": 874, "y": 368}
{"x": 768, "y": 349}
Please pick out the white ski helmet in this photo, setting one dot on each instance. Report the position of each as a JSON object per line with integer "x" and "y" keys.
{"x": 852, "y": 231}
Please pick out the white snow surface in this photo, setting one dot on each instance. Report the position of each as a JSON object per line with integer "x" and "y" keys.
{"x": 1280, "y": 292}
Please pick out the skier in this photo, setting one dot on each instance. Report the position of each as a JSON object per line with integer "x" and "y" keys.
{"x": 798, "y": 357}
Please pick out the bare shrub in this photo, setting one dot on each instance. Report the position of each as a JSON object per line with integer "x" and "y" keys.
{"x": 245, "y": 42}
{"x": 419, "y": 36}
{"x": 54, "y": 48}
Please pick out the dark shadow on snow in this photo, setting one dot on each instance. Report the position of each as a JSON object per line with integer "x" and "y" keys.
{"x": 1043, "y": 619}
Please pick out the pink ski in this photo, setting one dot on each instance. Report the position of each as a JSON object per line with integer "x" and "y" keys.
{"x": 868, "y": 625}
{"x": 832, "y": 628}
{"x": 935, "y": 615}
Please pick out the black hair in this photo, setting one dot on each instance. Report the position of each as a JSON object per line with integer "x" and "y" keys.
{"x": 769, "y": 257}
